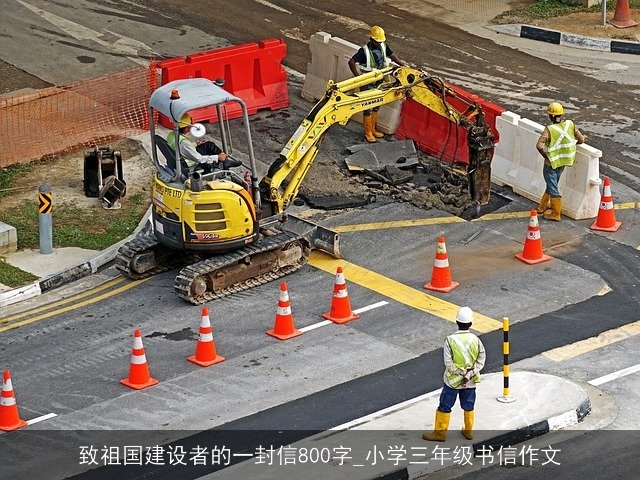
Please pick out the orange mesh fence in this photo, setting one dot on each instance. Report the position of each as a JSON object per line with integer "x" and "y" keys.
{"x": 82, "y": 114}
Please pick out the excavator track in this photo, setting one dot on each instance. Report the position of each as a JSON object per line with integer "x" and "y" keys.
{"x": 216, "y": 277}
{"x": 156, "y": 257}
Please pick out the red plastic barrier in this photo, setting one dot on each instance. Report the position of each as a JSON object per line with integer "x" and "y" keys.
{"x": 252, "y": 71}
{"x": 436, "y": 135}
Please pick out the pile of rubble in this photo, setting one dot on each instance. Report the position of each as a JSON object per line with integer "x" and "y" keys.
{"x": 397, "y": 170}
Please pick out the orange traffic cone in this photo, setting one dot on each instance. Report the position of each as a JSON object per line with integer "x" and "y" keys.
{"x": 606, "y": 220}
{"x": 340, "y": 311}
{"x": 622, "y": 15}
{"x": 441, "y": 274}
{"x": 532, "y": 251}
{"x": 139, "y": 376}
{"x": 283, "y": 328}
{"x": 9, "y": 418}
{"x": 205, "y": 348}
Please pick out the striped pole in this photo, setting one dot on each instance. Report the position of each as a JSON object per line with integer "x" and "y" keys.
{"x": 505, "y": 397}
{"x": 44, "y": 220}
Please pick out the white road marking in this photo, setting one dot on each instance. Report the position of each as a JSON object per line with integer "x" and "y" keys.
{"x": 39, "y": 419}
{"x": 329, "y": 322}
{"x": 124, "y": 45}
{"x": 271, "y": 5}
{"x": 615, "y": 375}
{"x": 371, "y": 307}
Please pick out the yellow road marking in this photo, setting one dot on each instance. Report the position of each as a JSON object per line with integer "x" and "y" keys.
{"x": 418, "y": 222}
{"x": 64, "y": 301}
{"x": 583, "y": 346}
{"x": 90, "y": 301}
{"x": 626, "y": 206}
{"x": 397, "y": 291}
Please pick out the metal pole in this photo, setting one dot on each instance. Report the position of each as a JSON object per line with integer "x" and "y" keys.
{"x": 505, "y": 397}
{"x": 44, "y": 220}
{"x": 604, "y": 12}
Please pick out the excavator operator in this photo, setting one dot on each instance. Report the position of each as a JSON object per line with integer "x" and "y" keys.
{"x": 205, "y": 154}
{"x": 375, "y": 54}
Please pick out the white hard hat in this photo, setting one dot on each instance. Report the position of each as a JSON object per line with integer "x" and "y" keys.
{"x": 465, "y": 316}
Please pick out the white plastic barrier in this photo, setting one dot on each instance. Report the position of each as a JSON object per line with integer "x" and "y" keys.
{"x": 518, "y": 164}
{"x": 329, "y": 61}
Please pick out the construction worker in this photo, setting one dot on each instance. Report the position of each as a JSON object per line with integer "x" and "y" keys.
{"x": 464, "y": 357}
{"x": 202, "y": 153}
{"x": 557, "y": 145}
{"x": 374, "y": 55}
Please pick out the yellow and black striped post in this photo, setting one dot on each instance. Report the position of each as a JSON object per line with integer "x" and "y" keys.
{"x": 505, "y": 397}
{"x": 44, "y": 219}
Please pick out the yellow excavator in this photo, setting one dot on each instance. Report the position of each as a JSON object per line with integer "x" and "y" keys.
{"x": 229, "y": 233}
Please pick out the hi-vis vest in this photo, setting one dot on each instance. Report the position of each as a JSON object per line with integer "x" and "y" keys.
{"x": 171, "y": 140}
{"x": 561, "y": 149}
{"x": 371, "y": 61}
{"x": 465, "y": 347}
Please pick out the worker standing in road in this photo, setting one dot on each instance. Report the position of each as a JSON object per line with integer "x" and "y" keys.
{"x": 464, "y": 357}
{"x": 204, "y": 153}
{"x": 374, "y": 55}
{"x": 557, "y": 145}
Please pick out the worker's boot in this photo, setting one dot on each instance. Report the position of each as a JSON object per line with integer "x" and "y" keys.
{"x": 368, "y": 129}
{"x": 374, "y": 121}
{"x": 439, "y": 433}
{"x": 467, "y": 430}
{"x": 556, "y": 209}
{"x": 544, "y": 203}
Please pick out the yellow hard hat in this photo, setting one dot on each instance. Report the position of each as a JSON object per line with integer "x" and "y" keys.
{"x": 555, "y": 108}
{"x": 377, "y": 33}
{"x": 185, "y": 121}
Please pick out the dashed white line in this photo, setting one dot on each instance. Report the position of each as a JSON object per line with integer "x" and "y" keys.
{"x": 615, "y": 375}
{"x": 40, "y": 419}
{"x": 359, "y": 310}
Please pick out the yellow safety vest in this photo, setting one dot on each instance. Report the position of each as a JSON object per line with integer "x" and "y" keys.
{"x": 561, "y": 148}
{"x": 371, "y": 61}
{"x": 465, "y": 347}
{"x": 171, "y": 140}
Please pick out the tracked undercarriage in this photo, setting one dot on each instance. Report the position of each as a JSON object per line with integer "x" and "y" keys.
{"x": 204, "y": 278}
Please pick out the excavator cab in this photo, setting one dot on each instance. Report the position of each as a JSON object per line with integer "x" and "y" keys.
{"x": 192, "y": 211}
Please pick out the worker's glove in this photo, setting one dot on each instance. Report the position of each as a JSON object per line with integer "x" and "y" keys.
{"x": 469, "y": 375}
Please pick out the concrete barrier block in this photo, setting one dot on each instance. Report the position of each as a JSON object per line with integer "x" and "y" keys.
{"x": 8, "y": 238}
{"x": 516, "y": 163}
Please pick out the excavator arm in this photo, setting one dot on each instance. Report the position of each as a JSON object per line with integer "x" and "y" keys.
{"x": 344, "y": 99}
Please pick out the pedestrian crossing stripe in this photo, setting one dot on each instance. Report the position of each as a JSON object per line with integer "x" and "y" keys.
{"x": 45, "y": 203}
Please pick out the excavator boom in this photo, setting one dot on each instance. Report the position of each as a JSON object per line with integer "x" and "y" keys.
{"x": 344, "y": 99}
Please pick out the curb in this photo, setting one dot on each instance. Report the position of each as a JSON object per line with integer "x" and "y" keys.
{"x": 568, "y": 39}
{"x": 72, "y": 274}
{"x": 571, "y": 417}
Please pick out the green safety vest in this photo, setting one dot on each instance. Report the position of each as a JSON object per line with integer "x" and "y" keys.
{"x": 171, "y": 140}
{"x": 561, "y": 148}
{"x": 371, "y": 61}
{"x": 465, "y": 347}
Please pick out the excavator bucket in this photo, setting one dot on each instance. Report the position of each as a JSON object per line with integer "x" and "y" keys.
{"x": 319, "y": 237}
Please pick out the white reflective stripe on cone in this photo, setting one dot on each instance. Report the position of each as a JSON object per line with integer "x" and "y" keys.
{"x": 205, "y": 337}
{"x": 138, "y": 359}
{"x": 441, "y": 263}
{"x": 535, "y": 235}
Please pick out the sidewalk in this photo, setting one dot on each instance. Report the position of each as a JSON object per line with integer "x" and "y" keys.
{"x": 388, "y": 443}
{"x": 62, "y": 266}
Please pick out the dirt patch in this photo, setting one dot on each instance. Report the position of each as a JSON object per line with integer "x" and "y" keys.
{"x": 588, "y": 24}
{"x": 64, "y": 174}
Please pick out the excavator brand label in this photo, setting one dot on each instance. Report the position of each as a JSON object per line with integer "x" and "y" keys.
{"x": 372, "y": 102}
